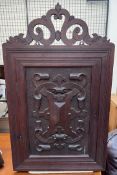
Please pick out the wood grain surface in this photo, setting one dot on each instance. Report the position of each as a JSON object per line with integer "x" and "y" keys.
{"x": 8, "y": 170}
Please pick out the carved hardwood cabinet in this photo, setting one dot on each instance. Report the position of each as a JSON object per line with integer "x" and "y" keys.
{"x": 58, "y": 95}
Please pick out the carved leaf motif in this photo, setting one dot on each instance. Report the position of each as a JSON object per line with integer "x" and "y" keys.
{"x": 58, "y": 7}
{"x": 17, "y": 39}
{"x": 58, "y": 79}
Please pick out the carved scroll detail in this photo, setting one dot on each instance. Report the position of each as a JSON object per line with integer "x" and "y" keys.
{"x": 64, "y": 127}
{"x": 80, "y": 33}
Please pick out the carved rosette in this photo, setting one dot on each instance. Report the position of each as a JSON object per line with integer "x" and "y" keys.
{"x": 59, "y": 124}
{"x": 80, "y": 33}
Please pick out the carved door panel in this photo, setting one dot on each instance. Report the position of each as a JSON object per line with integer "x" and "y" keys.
{"x": 58, "y": 96}
{"x": 59, "y": 110}
{"x": 58, "y": 120}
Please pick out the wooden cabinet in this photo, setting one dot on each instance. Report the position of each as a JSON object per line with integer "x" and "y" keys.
{"x": 58, "y": 97}
{"x": 113, "y": 113}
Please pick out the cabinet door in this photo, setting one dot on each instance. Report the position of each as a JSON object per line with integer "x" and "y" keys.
{"x": 57, "y": 120}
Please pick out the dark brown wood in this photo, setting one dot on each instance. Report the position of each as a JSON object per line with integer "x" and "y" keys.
{"x": 2, "y": 71}
{"x": 7, "y": 169}
{"x": 58, "y": 96}
{"x": 80, "y": 34}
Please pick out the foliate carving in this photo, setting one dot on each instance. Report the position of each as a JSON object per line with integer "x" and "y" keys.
{"x": 17, "y": 39}
{"x": 80, "y": 33}
{"x": 59, "y": 124}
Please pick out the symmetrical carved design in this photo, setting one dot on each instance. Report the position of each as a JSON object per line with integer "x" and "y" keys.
{"x": 59, "y": 125}
{"x": 80, "y": 33}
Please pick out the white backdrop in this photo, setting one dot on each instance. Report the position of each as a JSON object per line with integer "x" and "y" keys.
{"x": 112, "y": 35}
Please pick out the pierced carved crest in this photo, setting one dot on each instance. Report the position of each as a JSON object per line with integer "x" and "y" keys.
{"x": 80, "y": 34}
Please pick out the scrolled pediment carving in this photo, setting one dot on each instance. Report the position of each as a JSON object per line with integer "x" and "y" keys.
{"x": 80, "y": 34}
